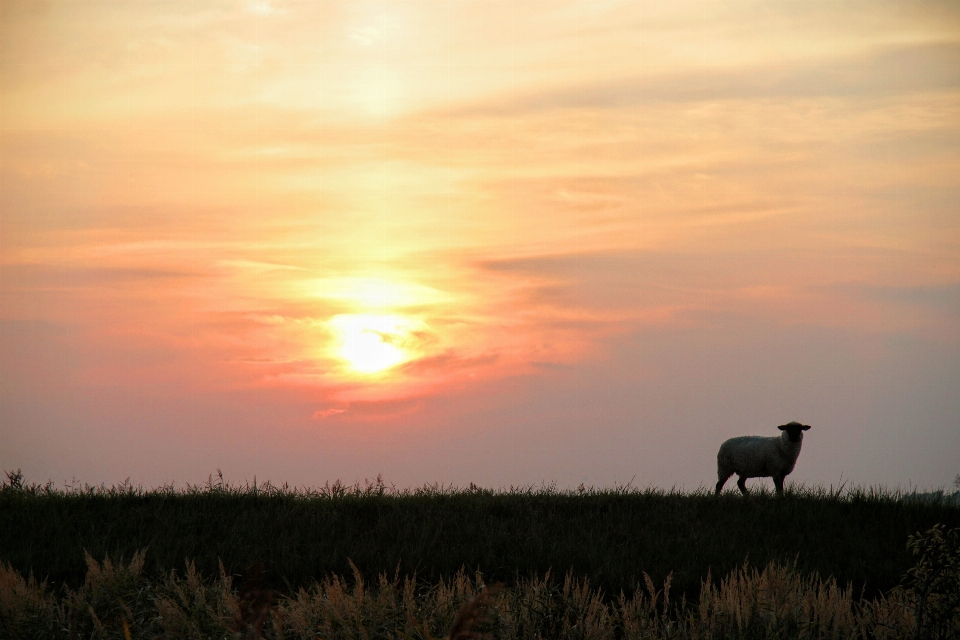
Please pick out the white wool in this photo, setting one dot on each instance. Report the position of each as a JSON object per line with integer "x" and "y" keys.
{"x": 760, "y": 457}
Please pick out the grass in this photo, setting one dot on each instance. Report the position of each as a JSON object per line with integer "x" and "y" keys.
{"x": 610, "y": 537}
{"x": 118, "y": 601}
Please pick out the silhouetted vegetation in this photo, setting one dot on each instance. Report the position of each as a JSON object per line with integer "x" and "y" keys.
{"x": 607, "y": 536}
{"x": 118, "y": 601}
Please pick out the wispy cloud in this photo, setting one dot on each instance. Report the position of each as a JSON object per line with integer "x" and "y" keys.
{"x": 890, "y": 71}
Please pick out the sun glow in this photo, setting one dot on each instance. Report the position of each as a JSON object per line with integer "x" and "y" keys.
{"x": 375, "y": 343}
{"x": 371, "y": 293}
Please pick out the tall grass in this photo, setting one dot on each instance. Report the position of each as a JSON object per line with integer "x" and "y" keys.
{"x": 118, "y": 601}
{"x": 610, "y": 536}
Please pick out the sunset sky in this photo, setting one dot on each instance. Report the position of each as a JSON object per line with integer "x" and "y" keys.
{"x": 508, "y": 243}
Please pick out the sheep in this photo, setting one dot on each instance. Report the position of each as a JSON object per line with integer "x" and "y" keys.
{"x": 759, "y": 457}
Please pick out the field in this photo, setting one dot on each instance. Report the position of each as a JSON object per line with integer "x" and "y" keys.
{"x": 429, "y": 550}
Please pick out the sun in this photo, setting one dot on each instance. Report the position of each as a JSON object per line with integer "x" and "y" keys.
{"x": 374, "y": 343}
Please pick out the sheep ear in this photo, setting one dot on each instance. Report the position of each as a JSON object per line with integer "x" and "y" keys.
{"x": 782, "y": 427}
{"x": 806, "y": 427}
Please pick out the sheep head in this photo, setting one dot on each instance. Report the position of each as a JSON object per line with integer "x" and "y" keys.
{"x": 794, "y": 430}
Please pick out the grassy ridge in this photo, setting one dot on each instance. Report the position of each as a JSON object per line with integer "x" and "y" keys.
{"x": 609, "y": 536}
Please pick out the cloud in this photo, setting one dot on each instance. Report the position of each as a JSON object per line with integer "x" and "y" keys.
{"x": 636, "y": 289}
{"x": 366, "y": 36}
{"x": 42, "y": 276}
{"x": 361, "y": 411}
{"x": 886, "y": 72}
{"x": 372, "y": 34}
{"x": 941, "y": 297}
{"x": 448, "y": 361}
{"x": 261, "y": 8}
{"x": 320, "y": 414}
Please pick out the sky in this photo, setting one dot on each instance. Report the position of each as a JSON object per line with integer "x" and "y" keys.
{"x": 513, "y": 244}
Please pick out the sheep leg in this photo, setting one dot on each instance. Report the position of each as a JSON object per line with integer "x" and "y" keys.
{"x": 742, "y": 483}
{"x": 721, "y": 482}
{"x": 778, "y": 481}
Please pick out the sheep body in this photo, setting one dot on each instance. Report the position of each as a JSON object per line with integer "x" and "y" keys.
{"x": 760, "y": 457}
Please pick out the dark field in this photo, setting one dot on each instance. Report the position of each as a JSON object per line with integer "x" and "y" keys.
{"x": 607, "y": 536}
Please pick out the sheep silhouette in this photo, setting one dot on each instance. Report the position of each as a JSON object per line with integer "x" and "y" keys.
{"x": 760, "y": 457}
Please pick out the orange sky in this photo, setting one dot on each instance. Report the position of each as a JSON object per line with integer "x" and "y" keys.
{"x": 478, "y": 241}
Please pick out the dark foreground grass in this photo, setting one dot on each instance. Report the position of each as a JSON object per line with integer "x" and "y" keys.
{"x": 609, "y": 537}
{"x": 118, "y": 601}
